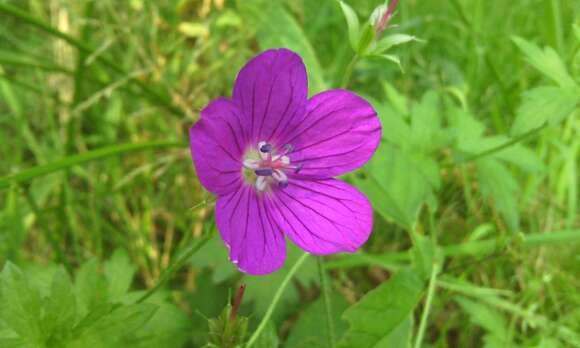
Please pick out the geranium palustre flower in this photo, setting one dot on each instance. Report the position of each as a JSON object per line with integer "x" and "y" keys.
{"x": 270, "y": 154}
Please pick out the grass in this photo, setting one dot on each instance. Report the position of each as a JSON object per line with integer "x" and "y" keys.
{"x": 96, "y": 98}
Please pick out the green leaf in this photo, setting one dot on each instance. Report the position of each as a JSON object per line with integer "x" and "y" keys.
{"x": 397, "y": 184}
{"x": 119, "y": 273}
{"x": 366, "y": 38}
{"x": 390, "y": 41}
{"x": 497, "y": 183}
{"x": 352, "y": 23}
{"x": 381, "y": 311}
{"x": 117, "y": 327}
{"x": 545, "y": 104}
{"x": 90, "y": 287}
{"x": 60, "y": 306}
{"x": 391, "y": 58}
{"x": 311, "y": 329}
{"x": 401, "y": 335}
{"x": 21, "y": 308}
{"x": 546, "y": 61}
{"x": 576, "y": 31}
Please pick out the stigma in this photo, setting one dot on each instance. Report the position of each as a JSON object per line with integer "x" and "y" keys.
{"x": 270, "y": 168}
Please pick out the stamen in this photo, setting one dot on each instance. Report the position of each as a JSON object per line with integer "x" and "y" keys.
{"x": 261, "y": 183}
{"x": 266, "y": 148}
{"x": 251, "y": 164}
{"x": 270, "y": 167}
{"x": 264, "y": 172}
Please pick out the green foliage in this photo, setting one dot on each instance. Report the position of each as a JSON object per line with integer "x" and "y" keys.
{"x": 87, "y": 314}
{"x": 474, "y": 185}
{"x": 380, "y": 312}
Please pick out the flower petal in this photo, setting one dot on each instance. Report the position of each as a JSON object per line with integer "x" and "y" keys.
{"x": 323, "y": 216}
{"x": 339, "y": 134}
{"x": 271, "y": 90}
{"x": 256, "y": 243}
{"x": 217, "y": 144}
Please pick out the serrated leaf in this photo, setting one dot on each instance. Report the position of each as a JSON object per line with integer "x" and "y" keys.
{"x": 381, "y": 311}
{"x": 352, "y": 24}
{"x": 90, "y": 287}
{"x": 311, "y": 328}
{"x": 547, "y": 61}
{"x": 60, "y": 306}
{"x": 117, "y": 327}
{"x": 497, "y": 183}
{"x": 544, "y": 104}
{"x": 21, "y": 308}
{"x": 119, "y": 273}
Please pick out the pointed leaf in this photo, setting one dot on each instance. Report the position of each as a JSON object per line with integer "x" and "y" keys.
{"x": 382, "y": 310}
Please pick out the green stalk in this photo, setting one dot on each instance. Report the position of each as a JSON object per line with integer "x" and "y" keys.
{"x": 325, "y": 293}
{"x": 67, "y": 162}
{"x": 503, "y": 146}
{"x": 348, "y": 72}
{"x": 275, "y": 300}
{"x": 176, "y": 266}
{"x": 427, "y": 309}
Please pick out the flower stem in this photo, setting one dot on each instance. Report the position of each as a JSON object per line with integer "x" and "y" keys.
{"x": 427, "y": 309}
{"x": 325, "y": 293}
{"x": 348, "y": 72}
{"x": 275, "y": 300}
{"x": 175, "y": 266}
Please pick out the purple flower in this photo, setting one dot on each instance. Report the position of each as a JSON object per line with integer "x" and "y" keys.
{"x": 270, "y": 154}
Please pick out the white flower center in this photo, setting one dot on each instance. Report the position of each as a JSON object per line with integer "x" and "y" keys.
{"x": 270, "y": 168}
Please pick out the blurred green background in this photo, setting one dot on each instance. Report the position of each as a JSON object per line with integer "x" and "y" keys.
{"x": 475, "y": 185}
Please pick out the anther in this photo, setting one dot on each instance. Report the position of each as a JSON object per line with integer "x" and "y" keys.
{"x": 288, "y": 148}
{"x": 283, "y": 184}
{"x": 264, "y": 172}
{"x": 266, "y": 148}
{"x": 298, "y": 168}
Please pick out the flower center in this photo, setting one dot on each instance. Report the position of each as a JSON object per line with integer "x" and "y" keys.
{"x": 269, "y": 168}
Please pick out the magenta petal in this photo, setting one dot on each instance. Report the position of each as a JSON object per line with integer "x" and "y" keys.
{"x": 271, "y": 90}
{"x": 339, "y": 133}
{"x": 323, "y": 216}
{"x": 217, "y": 145}
{"x": 256, "y": 243}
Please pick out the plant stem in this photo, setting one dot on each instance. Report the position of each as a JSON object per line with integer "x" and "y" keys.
{"x": 325, "y": 293}
{"x": 505, "y": 145}
{"x": 348, "y": 71}
{"x": 275, "y": 300}
{"x": 427, "y": 309}
{"x": 175, "y": 266}
{"x": 67, "y": 162}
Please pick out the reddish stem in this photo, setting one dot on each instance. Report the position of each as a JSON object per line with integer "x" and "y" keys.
{"x": 384, "y": 21}
{"x": 237, "y": 302}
